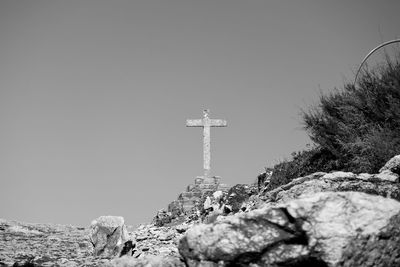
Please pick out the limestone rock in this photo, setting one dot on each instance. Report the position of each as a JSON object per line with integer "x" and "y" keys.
{"x": 108, "y": 235}
{"x": 162, "y": 217}
{"x": 175, "y": 208}
{"x": 263, "y": 179}
{"x": 392, "y": 165}
{"x": 127, "y": 248}
{"x": 387, "y": 175}
{"x": 238, "y": 194}
{"x": 190, "y": 203}
{"x": 378, "y": 251}
{"x": 310, "y": 230}
{"x": 32, "y": 244}
{"x": 213, "y": 206}
{"x": 166, "y": 236}
{"x": 338, "y": 175}
{"x": 323, "y": 182}
{"x": 239, "y": 239}
{"x": 181, "y": 228}
{"x": 148, "y": 261}
{"x": 332, "y": 220}
{"x": 152, "y": 240}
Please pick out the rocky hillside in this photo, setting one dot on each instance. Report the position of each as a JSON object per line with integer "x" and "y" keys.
{"x": 323, "y": 219}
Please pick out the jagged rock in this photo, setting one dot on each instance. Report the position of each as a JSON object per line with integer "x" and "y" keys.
{"x": 162, "y": 217}
{"x": 238, "y": 239}
{"x": 213, "y": 206}
{"x": 148, "y": 261}
{"x": 181, "y": 228}
{"x": 297, "y": 226}
{"x": 214, "y": 200}
{"x": 176, "y": 209}
{"x": 108, "y": 235}
{"x": 207, "y": 203}
{"x": 238, "y": 194}
{"x": 378, "y": 250}
{"x": 387, "y": 175}
{"x": 322, "y": 182}
{"x": 165, "y": 236}
{"x": 311, "y": 230}
{"x": 45, "y": 245}
{"x": 202, "y": 263}
{"x": 263, "y": 179}
{"x": 190, "y": 202}
{"x": 152, "y": 241}
{"x": 392, "y": 165}
{"x": 127, "y": 248}
{"x": 338, "y": 175}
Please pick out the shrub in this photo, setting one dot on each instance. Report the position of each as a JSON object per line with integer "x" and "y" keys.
{"x": 302, "y": 163}
{"x": 354, "y": 129}
{"x": 360, "y": 125}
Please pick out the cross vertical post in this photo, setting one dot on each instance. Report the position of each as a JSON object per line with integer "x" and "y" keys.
{"x": 206, "y": 123}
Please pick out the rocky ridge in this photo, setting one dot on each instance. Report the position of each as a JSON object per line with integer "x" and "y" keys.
{"x": 323, "y": 219}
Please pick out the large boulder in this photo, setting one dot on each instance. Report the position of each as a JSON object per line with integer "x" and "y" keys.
{"x": 310, "y": 231}
{"x": 378, "y": 250}
{"x": 108, "y": 235}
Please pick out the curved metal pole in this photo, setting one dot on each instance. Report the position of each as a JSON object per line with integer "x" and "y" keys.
{"x": 370, "y": 53}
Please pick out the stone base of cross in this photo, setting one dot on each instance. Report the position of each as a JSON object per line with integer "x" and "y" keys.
{"x": 207, "y": 180}
{"x": 206, "y": 123}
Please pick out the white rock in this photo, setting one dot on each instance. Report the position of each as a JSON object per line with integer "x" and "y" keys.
{"x": 334, "y": 218}
{"x": 108, "y": 235}
{"x": 329, "y": 222}
{"x": 365, "y": 176}
{"x": 338, "y": 175}
{"x": 387, "y": 175}
{"x": 207, "y": 203}
{"x": 392, "y": 165}
{"x": 218, "y": 195}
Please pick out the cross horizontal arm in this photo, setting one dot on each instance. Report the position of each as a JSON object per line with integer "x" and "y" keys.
{"x": 194, "y": 123}
{"x": 218, "y": 123}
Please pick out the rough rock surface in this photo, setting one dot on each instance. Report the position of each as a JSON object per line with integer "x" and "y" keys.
{"x": 108, "y": 235}
{"x": 388, "y": 176}
{"x": 318, "y": 220}
{"x": 45, "y": 245}
{"x": 153, "y": 241}
{"x": 392, "y": 165}
{"x": 312, "y": 230}
{"x": 148, "y": 261}
{"x": 190, "y": 202}
{"x": 60, "y": 245}
{"x": 377, "y": 250}
{"x": 263, "y": 179}
{"x": 162, "y": 217}
{"x": 238, "y": 194}
{"x": 322, "y": 182}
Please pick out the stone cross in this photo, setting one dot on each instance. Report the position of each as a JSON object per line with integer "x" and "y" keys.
{"x": 206, "y": 123}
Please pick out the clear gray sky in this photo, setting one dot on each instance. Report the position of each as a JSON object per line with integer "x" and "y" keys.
{"x": 94, "y": 94}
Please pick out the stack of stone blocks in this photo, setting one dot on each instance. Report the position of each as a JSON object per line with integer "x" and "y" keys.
{"x": 188, "y": 200}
